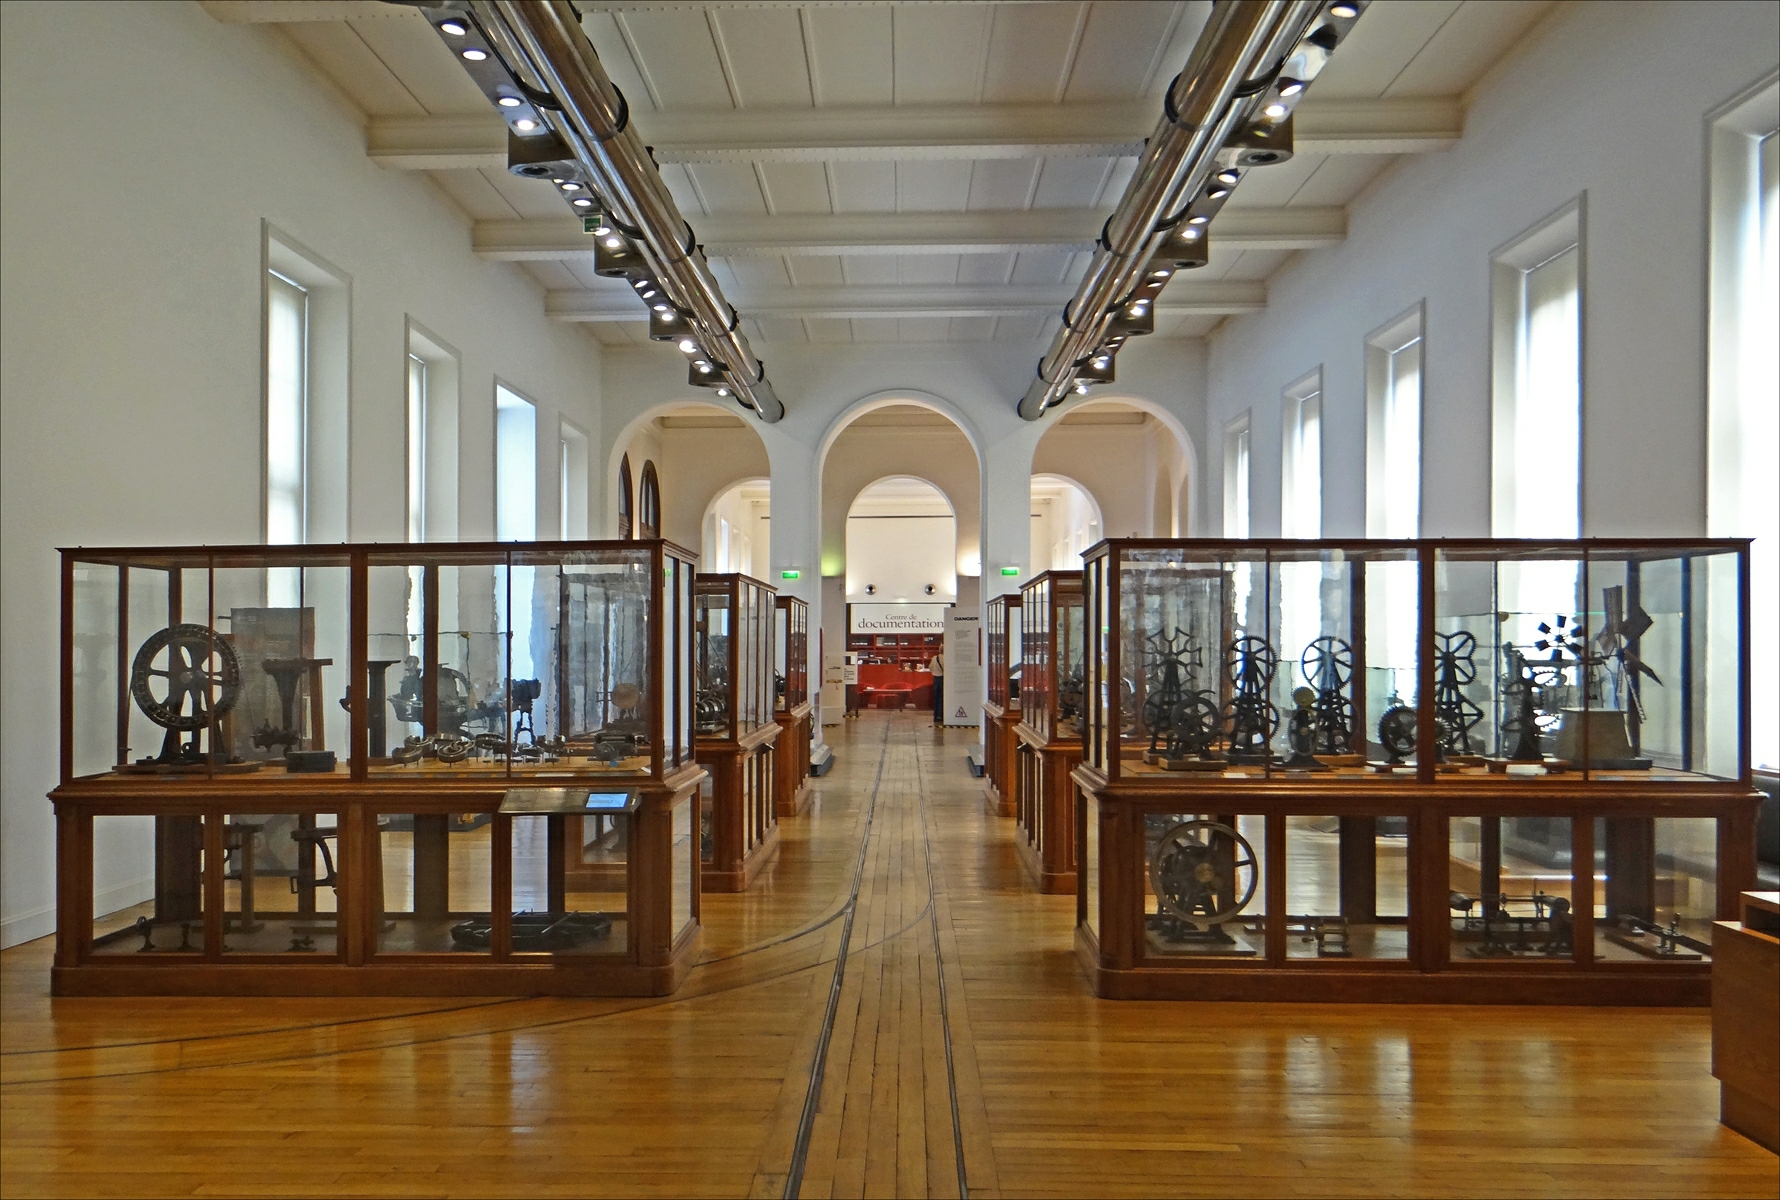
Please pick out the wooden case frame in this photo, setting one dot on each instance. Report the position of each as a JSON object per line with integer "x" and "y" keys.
{"x": 742, "y": 758}
{"x": 1049, "y": 748}
{"x": 1001, "y": 710}
{"x": 794, "y": 711}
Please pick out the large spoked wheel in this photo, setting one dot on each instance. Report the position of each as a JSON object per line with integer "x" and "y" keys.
{"x": 1397, "y": 732}
{"x": 184, "y": 676}
{"x": 1328, "y": 663}
{"x": 1203, "y": 872}
{"x": 1251, "y": 660}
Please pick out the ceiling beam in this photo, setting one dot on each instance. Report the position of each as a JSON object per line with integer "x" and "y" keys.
{"x": 1206, "y": 299}
{"x": 911, "y": 133}
{"x": 984, "y": 232}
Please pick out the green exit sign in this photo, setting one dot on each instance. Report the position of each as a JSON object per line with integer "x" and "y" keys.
{"x": 1010, "y": 570}
{"x": 590, "y": 224}
{"x": 790, "y": 574}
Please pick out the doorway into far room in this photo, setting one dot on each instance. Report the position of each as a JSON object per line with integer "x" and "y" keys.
{"x": 902, "y": 555}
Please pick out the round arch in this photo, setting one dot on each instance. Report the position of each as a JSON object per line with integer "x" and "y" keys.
{"x": 913, "y": 558}
{"x": 1179, "y": 492}
{"x": 886, "y": 399}
{"x": 674, "y": 497}
{"x": 726, "y": 505}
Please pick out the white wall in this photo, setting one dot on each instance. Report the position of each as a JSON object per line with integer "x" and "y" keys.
{"x": 1607, "y": 99}
{"x": 143, "y": 145}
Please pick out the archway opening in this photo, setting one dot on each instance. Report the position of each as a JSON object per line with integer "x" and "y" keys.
{"x": 685, "y": 458}
{"x": 738, "y": 531}
{"x": 1129, "y": 458}
{"x": 1065, "y": 521}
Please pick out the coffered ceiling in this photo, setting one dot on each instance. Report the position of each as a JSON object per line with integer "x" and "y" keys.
{"x": 913, "y": 172}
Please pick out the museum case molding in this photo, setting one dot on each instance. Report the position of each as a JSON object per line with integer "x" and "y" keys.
{"x": 513, "y": 815}
{"x": 1746, "y": 1019}
{"x": 1466, "y": 771}
{"x": 1049, "y": 731}
{"x": 792, "y": 708}
{"x": 735, "y": 732}
{"x": 1002, "y": 709}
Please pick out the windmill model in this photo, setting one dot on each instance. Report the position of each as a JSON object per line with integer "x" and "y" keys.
{"x": 1455, "y": 714}
{"x": 1172, "y": 711}
{"x": 1250, "y": 719}
{"x": 1328, "y": 667}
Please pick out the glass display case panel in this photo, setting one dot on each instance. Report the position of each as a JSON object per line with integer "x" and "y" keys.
{"x": 1510, "y": 885}
{"x": 716, "y": 716}
{"x": 1658, "y": 892}
{"x": 1035, "y": 654}
{"x": 148, "y": 884}
{"x": 707, "y": 810}
{"x": 562, "y": 904}
{"x": 281, "y": 883}
{"x": 1088, "y": 865}
{"x": 289, "y": 628}
{"x": 683, "y": 587}
{"x": 684, "y": 855}
{"x": 437, "y": 881}
{"x": 1204, "y": 886}
{"x": 1068, "y": 654}
{"x": 1002, "y": 648}
{"x": 1014, "y": 649}
{"x": 1341, "y": 884}
{"x": 792, "y": 651}
{"x": 735, "y": 650}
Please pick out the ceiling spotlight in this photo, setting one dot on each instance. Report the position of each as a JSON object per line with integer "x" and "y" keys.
{"x": 602, "y": 230}
{"x": 1163, "y": 273}
{"x": 704, "y": 367}
{"x": 1291, "y": 88}
{"x": 571, "y": 186}
{"x": 1229, "y": 176}
{"x": 1275, "y": 111}
{"x": 1199, "y": 220}
{"x": 1081, "y": 387}
{"x": 1218, "y": 193}
{"x": 454, "y": 28}
{"x": 1344, "y": 11}
{"x": 723, "y": 391}
{"x": 688, "y": 346}
{"x": 1191, "y": 235}
{"x": 661, "y": 308}
{"x": 525, "y": 125}
{"x": 1101, "y": 361}
{"x": 581, "y": 202}
{"x": 475, "y": 55}
{"x": 509, "y": 102}
{"x": 639, "y": 284}
{"x": 613, "y": 243}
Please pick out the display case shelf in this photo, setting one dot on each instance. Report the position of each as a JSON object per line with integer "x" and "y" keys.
{"x": 303, "y": 827}
{"x": 1002, "y": 709}
{"x": 793, "y": 709}
{"x": 1467, "y": 771}
{"x": 736, "y": 732}
{"x": 1048, "y": 732}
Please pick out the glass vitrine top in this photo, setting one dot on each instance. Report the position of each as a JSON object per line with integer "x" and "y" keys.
{"x": 1051, "y": 645}
{"x": 735, "y": 647}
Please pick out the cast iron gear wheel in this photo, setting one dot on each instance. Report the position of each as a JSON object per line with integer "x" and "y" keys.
{"x": 200, "y": 666}
{"x": 1203, "y": 872}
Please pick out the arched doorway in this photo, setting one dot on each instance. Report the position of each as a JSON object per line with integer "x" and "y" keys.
{"x": 737, "y": 530}
{"x": 684, "y": 456}
{"x": 1128, "y": 455}
{"x": 1065, "y": 521}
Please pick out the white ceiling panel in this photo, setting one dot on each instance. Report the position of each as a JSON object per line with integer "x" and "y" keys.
{"x": 941, "y": 185}
{"x": 1252, "y": 265}
{"x": 827, "y": 330}
{"x": 354, "y": 67}
{"x": 762, "y": 48}
{"x": 1070, "y": 182}
{"x": 1031, "y": 51}
{"x": 1339, "y": 179}
{"x": 923, "y": 329}
{"x": 1386, "y": 39}
{"x": 1472, "y": 41}
{"x": 581, "y": 268}
{"x": 553, "y": 275}
{"x": 1118, "y": 178}
{"x": 971, "y": 329}
{"x": 850, "y": 51}
{"x": 1041, "y": 266}
{"x": 728, "y": 188}
{"x": 863, "y": 186}
{"x": 1002, "y": 183}
{"x": 407, "y": 46}
{"x": 530, "y": 198}
{"x": 1274, "y": 186}
{"x": 677, "y": 57}
{"x": 795, "y": 187}
{"x": 985, "y": 268}
{"x": 816, "y": 270}
{"x": 752, "y": 274}
{"x": 926, "y": 268}
{"x": 679, "y": 185}
{"x": 869, "y": 268}
{"x": 775, "y": 329}
{"x": 1121, "y": 49}
{"x": 615, "y": 56}
{"x": 1222, "y": 261}
{"x": 471, "y": 191}
{"x": 875, "y": 329}
{"x": 1023, "y": 328}
{"x": 939, "y": 52}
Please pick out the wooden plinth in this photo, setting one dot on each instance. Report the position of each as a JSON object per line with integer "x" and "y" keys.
{"x": 1418, "y": 964}
{"x": 792, "y": 791}
{"x": 1000, "y": 752}
{"x": 1045, "y": 809}
{"x": 1746, "y": 1021}
{"x": 744, "y": 820}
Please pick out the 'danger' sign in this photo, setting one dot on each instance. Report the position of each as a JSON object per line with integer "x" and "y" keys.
{"x": 899, "y": 618}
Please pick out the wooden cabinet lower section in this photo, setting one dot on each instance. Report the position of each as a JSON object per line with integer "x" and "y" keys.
{"x": 1000, "y": 768}
{"x": 410, "y": 888}
{"x": 1216, "y": 888}
{"x": 739, "y": 822}
{"x": 1746, "y": 1019}
{"x": 791, "y": 788}
{"x": 1045, "y": 809}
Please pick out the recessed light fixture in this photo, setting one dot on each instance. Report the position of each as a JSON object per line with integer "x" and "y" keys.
{"x": 1199, "y": 220}
{"x": 1164, "y": 273}
{"x": 454, "y": 28}
{"x": 688, "y": 346}
{"x": 1218, "y": 193}
{"x": 661, "y": 308}
{"x": 1344, "y": 10}
{"x": 1081, "y": 387}
{"x": 1101, "y": 361}
{"x": 602, "y": 230}
{"x": 704, "y": 368}
{"x": 1275, "y": 111}
{"x": 525, "y": 125}
{"x": 509, "y": 101}
{"x": 1192, "y": 235}
{"x": 571, "y": 186}
{"x": 475, "y": 55}
{"x": 1291, "y": 88}
{"x": 723, "y": 391}
{"x": 613, "y": 243}
{"x": 1229, "y": 176}
{"x": 581, "y": 202}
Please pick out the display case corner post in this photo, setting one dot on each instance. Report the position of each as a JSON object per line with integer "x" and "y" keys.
{"x": 74, "y": 891}
{"x": 1113, "y": 734}
{"x": 1582, "y": 888}
{"x": 500, "y": 890}
{"x": 357, "y": 896}
{"x": 65, "y": 744}
{"x": 1426, "y": 734}
{"x": 1745, "y": 735}
{"x": 359, "y": 674}
{"x": 1430, "y": 928}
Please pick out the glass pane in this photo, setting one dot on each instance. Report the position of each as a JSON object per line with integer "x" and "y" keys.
{"x": 1510, "y": 887}
{"x": 1089, "y": 862}
{"x": 569, "y": 884}
{"x": 684, "y": 855}
{"x": 1342, "y": 877}
{"x": 148, "y": 884}
{"x": 1659, "y": 894}
{"x": 281, "y": 883}
{"x": 1205, "y": 890}
{"x": 101, "y": 697}
{"x": 436, "y": 870}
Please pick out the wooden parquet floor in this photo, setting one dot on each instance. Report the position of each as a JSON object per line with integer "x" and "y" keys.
{"x": 960, "y": 1023}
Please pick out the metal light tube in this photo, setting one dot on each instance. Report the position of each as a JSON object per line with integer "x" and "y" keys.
{"x": 546, "y": 39}
{"x": 1243, "y": 41}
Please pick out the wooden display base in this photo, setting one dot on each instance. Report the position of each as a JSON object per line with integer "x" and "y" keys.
{"x": 1045, "y": 831}
{"x": 744, "y": 821}
{"x": 1000, "y": 754}
{"x": 792, "y": 792}
{"x": 1746, "y": 1019}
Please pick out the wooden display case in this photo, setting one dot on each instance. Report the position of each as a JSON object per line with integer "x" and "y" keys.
{"x": 1048, "y": 732}
{"x": 1453, "y": 771}
{"x": 1746, "y": 1019}
{"x": 513, "y": 815}
{"x": 736, "y": 734}
{"x": 1002, "y": 710}
{"x": 792, "y": 708}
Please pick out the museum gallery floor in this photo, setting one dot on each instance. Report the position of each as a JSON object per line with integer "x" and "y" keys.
{"x": 703, "y": 1092}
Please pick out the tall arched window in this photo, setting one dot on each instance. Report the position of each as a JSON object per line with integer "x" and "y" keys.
{"x": 626, "y": 500}
{"x": 649, "y": 503}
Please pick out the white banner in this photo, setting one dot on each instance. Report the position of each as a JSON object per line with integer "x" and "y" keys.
{"x": 898, "y": 618}
{"x": 964, "y": 672}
